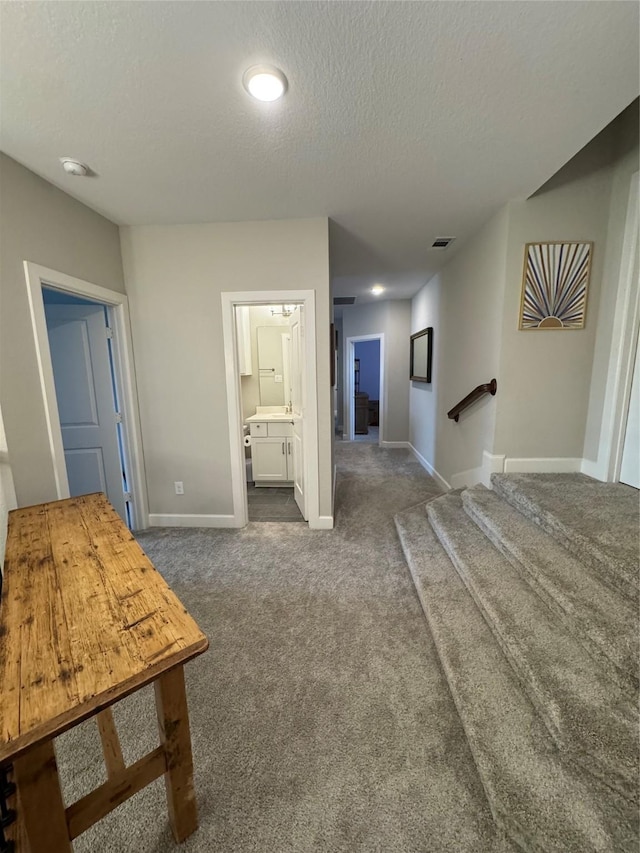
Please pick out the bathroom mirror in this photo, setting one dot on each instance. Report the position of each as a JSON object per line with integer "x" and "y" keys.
{"x": 273, "y": 365}
{"x": 421, "y": 355}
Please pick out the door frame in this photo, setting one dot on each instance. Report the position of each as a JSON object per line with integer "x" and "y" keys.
{"x": 624, "y": 342}
{"x": 230, "y": 300}
{"x": 348, "y": 407}
{"x": 36, "y": 278}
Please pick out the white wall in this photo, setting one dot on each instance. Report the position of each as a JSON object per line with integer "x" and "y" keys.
{"x": 392, "y": 319}
{"x": 42, "y": 224}
{"x": 463, "y": 303}
{"x": 174, "y": 276}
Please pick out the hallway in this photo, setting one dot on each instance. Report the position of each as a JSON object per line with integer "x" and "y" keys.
{"x": 321, "y": 720}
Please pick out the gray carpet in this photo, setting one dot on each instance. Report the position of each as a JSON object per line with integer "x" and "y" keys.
{"x": 550, "y": 721}
{"x": 597, "y": 521}
{"x": 321, "y": 719}
{"x": 541, "y": 801}
{"x": 586, "y": 713}
{"x": 603, "y": 619}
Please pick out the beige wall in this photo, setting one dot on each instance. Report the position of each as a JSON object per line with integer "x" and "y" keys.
{"x": 42, "y": 224}
{"x": 545, "y": 376}
{"x": 392, "y": 319}
{"x": 463, "y": 303}
{"x": 175, "y": 275}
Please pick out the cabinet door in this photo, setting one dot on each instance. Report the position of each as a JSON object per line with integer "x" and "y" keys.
{"x": 290, "y": 468}
{"x": 269, "y": 457}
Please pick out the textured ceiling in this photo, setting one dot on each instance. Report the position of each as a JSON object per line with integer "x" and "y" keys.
{"x": 403, "y": 121}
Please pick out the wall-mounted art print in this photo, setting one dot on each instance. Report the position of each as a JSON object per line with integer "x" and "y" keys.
{"x": 554, "y": 285}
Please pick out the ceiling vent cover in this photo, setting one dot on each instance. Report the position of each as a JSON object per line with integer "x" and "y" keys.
{"x": 442, "y": 242}
{"x": 344, "y": 300}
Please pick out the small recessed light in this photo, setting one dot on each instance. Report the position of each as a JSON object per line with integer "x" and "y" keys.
{"x": 377, "y": 289}
{"x": 75, "y": 167}
{"x": 264, "y": 82}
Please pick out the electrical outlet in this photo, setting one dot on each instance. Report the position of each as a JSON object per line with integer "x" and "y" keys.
{"x": 179, "y": 486}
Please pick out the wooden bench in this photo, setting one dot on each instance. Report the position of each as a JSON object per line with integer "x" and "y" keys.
{"x": 85, "y": 619}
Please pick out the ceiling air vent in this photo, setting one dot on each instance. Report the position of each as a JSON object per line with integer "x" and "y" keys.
{"x": 442, "y": 242}
{"x": 344, "y": 300}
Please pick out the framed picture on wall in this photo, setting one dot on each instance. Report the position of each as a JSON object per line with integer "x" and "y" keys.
{"x": 555, "y": 283}
{"x": 421, "y": 355}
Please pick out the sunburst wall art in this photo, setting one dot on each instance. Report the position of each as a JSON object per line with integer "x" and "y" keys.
{"x": 554, "y": 285}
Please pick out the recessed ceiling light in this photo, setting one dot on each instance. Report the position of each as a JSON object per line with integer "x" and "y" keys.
{"x": 75, "y": 167}
{"x": 264, "y": 82}
{"x": 377, "y": 289}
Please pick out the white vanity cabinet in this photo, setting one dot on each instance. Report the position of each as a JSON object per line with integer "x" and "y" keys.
{"x": 272, "y": 452}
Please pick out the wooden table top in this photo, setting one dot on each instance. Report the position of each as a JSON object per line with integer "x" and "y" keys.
{"x": 85, "y": 619}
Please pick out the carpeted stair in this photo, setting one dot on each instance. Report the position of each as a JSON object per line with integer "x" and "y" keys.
{"x": 598, "y": 522}
{"x": 540, "y": 653}
{"x": 603, "y": 620}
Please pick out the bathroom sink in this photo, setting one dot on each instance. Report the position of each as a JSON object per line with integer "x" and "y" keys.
{"x": 269, "y": 416}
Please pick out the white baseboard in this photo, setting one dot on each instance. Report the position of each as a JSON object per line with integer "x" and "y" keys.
{"x": 543, "y": 465}
{"x": 594, "y": 470}
{"x": 395, "y": 444}
{"x": 491, "y": 463}
{"x": 430, "y": 469}
{"x": 164, "y": 520}
{"x": 323, "y": 522}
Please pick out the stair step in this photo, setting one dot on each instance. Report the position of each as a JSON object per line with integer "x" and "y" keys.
{"x": 598, "y": 522}
{"x": 587, "y": 714}
{"x": 543, "y": 803}
{"x": 605, "y": 621}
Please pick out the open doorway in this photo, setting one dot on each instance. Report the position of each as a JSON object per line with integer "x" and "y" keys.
{"x": 83, "y": 345}
{"x": 80, "y": 333}
{"x": 366, "y": 378}
{"x": 270, "y": 359}
{"x": 265, "y": 351}
{"x": 364, "y": 387}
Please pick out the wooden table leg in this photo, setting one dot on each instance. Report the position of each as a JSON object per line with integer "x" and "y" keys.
{"x": 175, "y": 737}
{"x": 111, "y": 748}
{"x": 41, "y": 803}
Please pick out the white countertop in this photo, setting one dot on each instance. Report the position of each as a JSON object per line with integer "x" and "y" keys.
{"x": 269, "y": 413}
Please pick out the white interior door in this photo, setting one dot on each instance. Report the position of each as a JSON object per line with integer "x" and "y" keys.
{"x": 630, "y": 468}
{"x": 85, "y": 395}
{"x": 298, "y": 404}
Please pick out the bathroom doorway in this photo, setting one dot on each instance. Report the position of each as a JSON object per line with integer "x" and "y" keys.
{"x": 272, "y": 406}
{"x": 264, "y": 335}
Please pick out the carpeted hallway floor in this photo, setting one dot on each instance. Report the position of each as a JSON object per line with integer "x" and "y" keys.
{"x": 320, "y": 717}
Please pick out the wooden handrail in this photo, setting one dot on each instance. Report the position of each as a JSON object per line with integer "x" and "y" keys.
{"x": 487, "y": 388}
